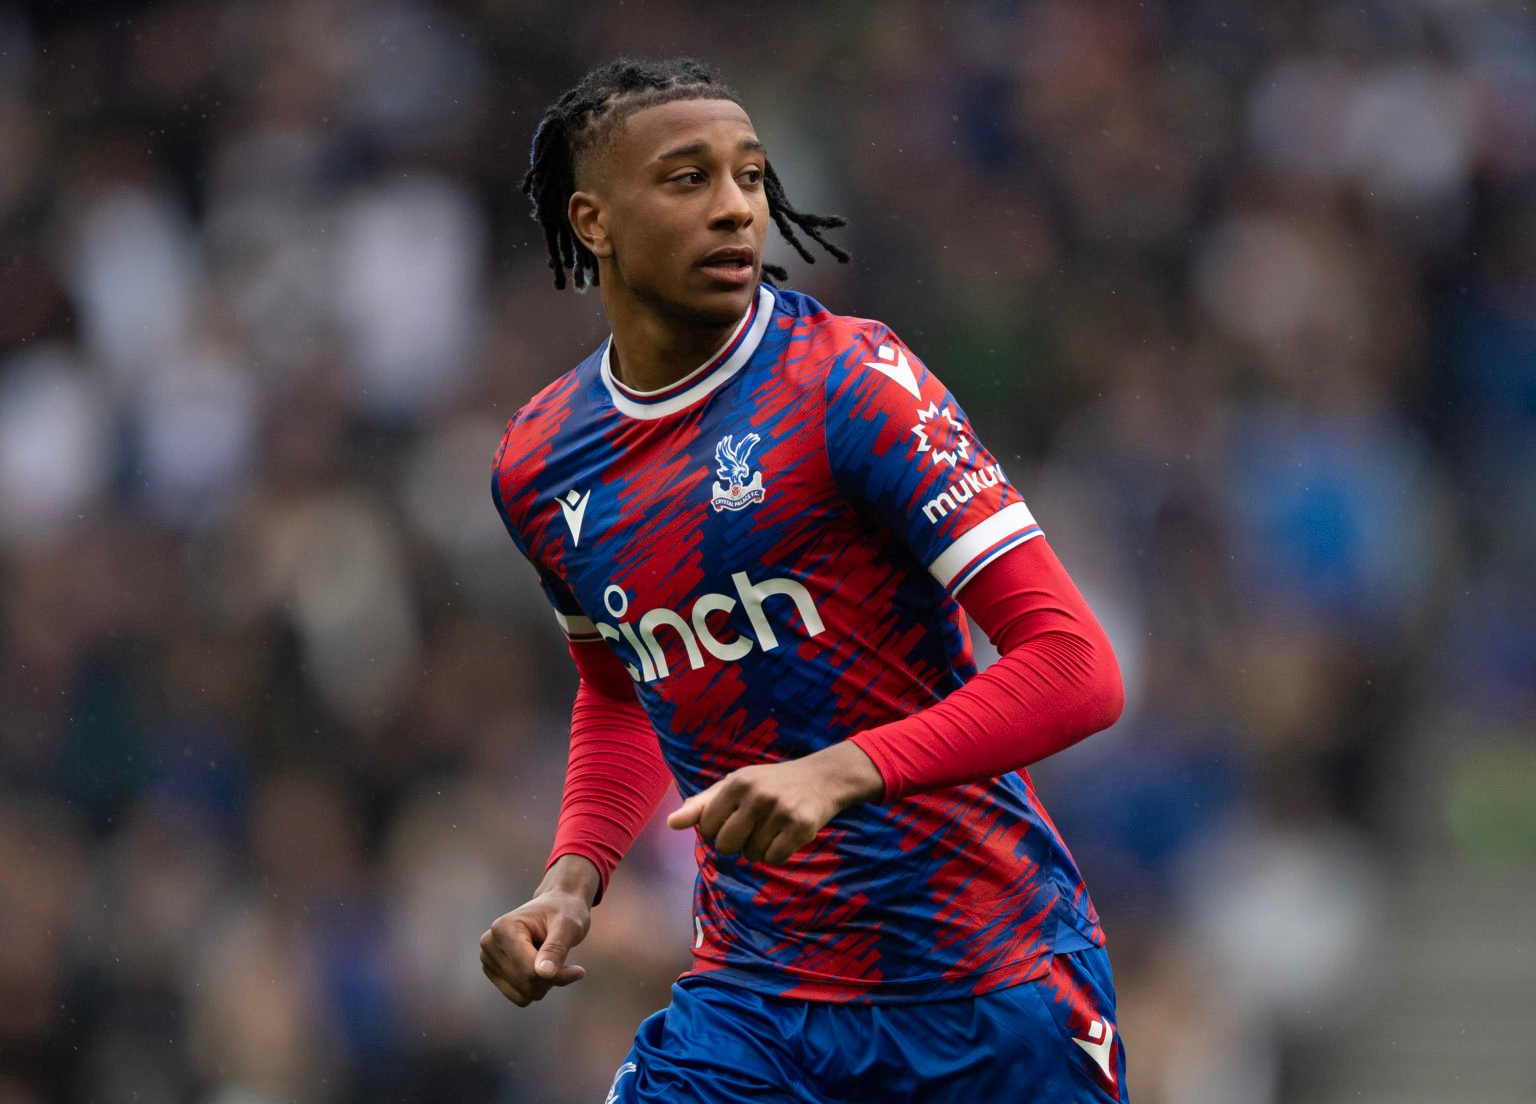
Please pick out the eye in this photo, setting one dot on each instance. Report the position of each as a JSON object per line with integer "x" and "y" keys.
{"x": 753, "y": 176}
{"x": 692, "y": 176}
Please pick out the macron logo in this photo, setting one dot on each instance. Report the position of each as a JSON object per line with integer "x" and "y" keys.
{"x": 1101, "y": 1034}
{"x": 893, "y": 363}
{"x": 574, "y": 506}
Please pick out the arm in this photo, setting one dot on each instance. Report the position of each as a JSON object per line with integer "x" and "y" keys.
{"x": 615, "y": 776}
{"x": 901, "y": 449}
{"x": 615, "y": 779}
{"x": 1055, "y": 683}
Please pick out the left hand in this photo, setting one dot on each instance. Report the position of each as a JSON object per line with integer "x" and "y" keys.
{"x": 770, "y": 811}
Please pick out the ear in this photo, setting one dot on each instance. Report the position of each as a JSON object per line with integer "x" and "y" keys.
{"x": 589, "y": 221}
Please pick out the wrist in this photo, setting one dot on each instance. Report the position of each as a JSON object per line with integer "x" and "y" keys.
{"x": 851, "y": 774}
{"x": 572, "y": 875}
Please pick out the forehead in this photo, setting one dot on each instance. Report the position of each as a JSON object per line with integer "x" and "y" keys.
{"x": 653, "y": 131}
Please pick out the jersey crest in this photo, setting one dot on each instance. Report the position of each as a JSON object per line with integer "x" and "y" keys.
{"x": 740, "y": 486}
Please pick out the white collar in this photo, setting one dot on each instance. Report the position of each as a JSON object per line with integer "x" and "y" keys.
{"x": 706, "y": 378}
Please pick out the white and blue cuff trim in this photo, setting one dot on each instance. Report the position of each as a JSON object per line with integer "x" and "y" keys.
{"x": 981, "y": 544}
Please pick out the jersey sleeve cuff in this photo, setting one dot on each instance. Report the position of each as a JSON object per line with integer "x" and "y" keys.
{"x": 577, "y": 629}
{"x": 981, "y": 544}
{"x": 871, "y": 745}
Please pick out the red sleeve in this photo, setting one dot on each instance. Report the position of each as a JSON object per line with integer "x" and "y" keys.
{"x": 615, "y": 776}
{"x": 1055, "y": 682}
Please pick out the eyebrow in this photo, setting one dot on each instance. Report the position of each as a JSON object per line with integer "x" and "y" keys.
{"x": 693, "y": 149}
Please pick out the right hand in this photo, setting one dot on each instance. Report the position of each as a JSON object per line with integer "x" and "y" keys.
{"x": 524, "y": 951}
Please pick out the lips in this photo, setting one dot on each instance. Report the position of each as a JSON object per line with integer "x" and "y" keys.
{"x": 732, "y": 256}
{"x": 730, "y": 265}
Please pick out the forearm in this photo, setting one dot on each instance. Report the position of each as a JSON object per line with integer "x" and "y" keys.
{"x": 615, "y": 777}
{"x": 1055, "y": 683}
{"x": 848, "y": 774}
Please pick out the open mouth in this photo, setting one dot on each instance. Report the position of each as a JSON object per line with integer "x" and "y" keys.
{"x": 729, "y": 266}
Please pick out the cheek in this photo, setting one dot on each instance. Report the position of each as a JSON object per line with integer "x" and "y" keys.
{"x": 653, "y": 240}
{"x": 668, "y": 248}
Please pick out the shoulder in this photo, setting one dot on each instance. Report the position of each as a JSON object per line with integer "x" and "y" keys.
{"x": 860, "y": 364}
{"x": 824, "y": 346}
{"x": 809, "y": 320}
{"x": 538, "y": 421}
{"x": 530, "y": 442}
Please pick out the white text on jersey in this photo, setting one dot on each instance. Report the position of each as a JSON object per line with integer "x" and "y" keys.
{"x": 696, "y": 634}
{"x": 962, "y": 491}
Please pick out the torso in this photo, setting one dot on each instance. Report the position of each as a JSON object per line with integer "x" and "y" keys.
{"x": 740, "y": 560}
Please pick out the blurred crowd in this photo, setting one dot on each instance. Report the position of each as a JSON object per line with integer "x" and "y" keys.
{"x": 1244, "y": 295}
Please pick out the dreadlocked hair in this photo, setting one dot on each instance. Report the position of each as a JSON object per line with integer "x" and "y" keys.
{"x": 588, "y": 113}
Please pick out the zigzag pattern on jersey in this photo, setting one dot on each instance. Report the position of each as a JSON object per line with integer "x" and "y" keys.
{"x": 964, "y": 890}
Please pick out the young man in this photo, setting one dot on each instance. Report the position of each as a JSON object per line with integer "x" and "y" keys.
{"x": 757, "y": 522}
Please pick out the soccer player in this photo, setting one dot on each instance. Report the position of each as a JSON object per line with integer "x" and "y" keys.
{"x": 758, "y": 523}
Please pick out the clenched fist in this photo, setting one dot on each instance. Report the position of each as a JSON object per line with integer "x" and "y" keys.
{"x": 524, "y": 951}
{"x": 770, "y": 811}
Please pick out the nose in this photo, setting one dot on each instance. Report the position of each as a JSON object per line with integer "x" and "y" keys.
{"x": 732, "y": 209}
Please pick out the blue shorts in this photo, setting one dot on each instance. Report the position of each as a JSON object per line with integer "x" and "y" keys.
{"x": 1054, "y": 1041}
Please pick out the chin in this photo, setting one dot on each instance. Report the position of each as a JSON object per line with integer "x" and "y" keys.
{"x": 721, "y": 307}
{"x": 730, "y": 306}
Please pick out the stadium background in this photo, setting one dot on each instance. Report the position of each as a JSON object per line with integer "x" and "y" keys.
{"x": 1244, "y": 295}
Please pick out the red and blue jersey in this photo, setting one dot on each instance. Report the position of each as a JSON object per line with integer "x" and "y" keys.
{"x": 773, "y": 547}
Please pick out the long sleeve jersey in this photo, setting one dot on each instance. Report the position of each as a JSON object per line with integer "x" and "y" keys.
{"x": 773, "y": 552}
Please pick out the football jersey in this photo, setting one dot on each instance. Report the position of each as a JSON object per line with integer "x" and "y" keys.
{"x": 772, "y": 547}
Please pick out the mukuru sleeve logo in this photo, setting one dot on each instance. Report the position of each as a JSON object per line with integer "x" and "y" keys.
{"x": 945, "y": 439}
{"x": 902, "y": 447}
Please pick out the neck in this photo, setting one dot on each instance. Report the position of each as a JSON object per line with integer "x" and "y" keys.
{"x": 652, "y": 351}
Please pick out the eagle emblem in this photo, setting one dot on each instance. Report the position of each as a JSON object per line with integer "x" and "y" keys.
{"x": 738, "y": 486}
